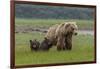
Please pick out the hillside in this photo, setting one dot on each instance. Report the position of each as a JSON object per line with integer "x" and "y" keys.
{"x": 52, "y": 12}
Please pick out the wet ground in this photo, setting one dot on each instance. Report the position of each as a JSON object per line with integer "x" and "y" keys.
{"x": 44, "y": 30}
{"x": 86, "y": 32}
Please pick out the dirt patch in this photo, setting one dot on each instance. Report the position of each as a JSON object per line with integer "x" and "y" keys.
{"x": 26, "y": 29}
{"x": 86, "y": 32}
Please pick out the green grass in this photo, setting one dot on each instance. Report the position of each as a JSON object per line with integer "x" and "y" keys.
{"x": 83, "y": 45}
{"x": 82, "y": 24}
{"x": 83, "y": 50}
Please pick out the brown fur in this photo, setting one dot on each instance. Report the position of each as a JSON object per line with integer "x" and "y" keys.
{"x": 45, "y": 45}
{"x": 34, "y": 45}
{"x": 61, "y": 35}
{"x": 50, "y": 35}
{"x": 68, "y": 41}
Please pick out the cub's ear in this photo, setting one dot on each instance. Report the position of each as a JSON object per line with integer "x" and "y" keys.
{"x": 30, "y": 40}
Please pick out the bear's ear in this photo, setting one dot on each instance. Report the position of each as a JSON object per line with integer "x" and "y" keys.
{"x": 74, "y": 26}
{"x": 62, "y": 24}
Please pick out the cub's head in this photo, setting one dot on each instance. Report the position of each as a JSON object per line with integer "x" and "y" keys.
{"x": 34, "y": 45}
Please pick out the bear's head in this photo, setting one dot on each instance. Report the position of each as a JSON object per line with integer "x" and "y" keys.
{"x": 71, "y": 27}
{"x": 45, "y": 44}
{"x": 34, "y": 45}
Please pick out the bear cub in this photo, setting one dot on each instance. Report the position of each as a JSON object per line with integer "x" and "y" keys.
{"x": 45, "y": 45}
{"x": 34, "y": 45}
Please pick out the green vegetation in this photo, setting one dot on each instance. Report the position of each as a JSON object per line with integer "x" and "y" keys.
{"x": 83, "y": 50}
{"x": 52, "y": 12}
{"x": 83, "y": 45}
{"x": 46, "y": 23}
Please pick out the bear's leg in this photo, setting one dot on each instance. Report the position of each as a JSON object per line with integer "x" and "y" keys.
{"x": 60, "y": 43}
{"x": 69, "y": 45}
{"x": 68, "y": 42}
{"x": 58, "y": 46}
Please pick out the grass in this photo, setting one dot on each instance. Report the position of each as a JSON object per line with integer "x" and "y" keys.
{"x": 83, "y": 50}
{"x": 82, "y": 24}
{"x": 83, "y": 45}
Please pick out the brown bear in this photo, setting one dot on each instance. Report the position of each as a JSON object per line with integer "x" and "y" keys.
{"x": 50, "y": 35}
{"x": 44, "y": 45}
{"x": 61, "y": 35}
{"x": 34, "y": 45}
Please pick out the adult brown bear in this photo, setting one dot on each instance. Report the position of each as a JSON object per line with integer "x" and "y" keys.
{"x": 61, "y": 35}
